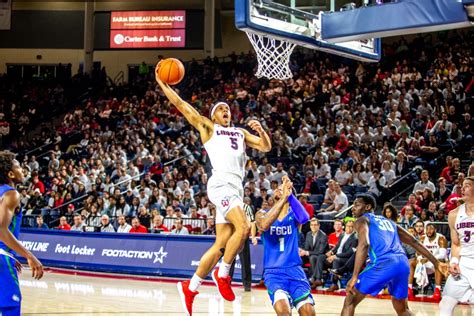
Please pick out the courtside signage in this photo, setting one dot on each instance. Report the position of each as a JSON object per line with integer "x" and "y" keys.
{"x": 123, "y": 20}
{"x": 147, "y": 29}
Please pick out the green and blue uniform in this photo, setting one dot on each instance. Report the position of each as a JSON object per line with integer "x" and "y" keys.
{"x": 388, "y": 265}
{"x": 282, "y": 263}
{"x": 10, "y": 295}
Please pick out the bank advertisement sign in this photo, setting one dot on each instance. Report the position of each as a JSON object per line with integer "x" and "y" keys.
{"x": 164, "y": 255}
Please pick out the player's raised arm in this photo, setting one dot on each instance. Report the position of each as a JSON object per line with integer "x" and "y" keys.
{"x": 261, "y": 142}
{"x": 410, "y": 240}
{"x": 201, "y": 123}
{"x": 8, "y": 205}
{"x": 265, "y": 219}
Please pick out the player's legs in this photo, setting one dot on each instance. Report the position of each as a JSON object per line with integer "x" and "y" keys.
{"x": 281, "y": 303}
{"x": 350, "y": 303}
{"x": 10, "y": 295}
{"x": 211, "y": 257}
{"x": 401, "y": 307}
{"x": 241, "y": 232}
{"x": 411, "y": 277}
{"x": 306, "y": 308}
{"x": 447, "y": 305}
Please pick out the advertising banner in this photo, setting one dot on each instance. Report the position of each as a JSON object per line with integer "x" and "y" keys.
{"x": 122, "y": 20}
{"x": 5, "y": 14}
{"x": 147, "y": 38}
{"x": 164, "y": 255}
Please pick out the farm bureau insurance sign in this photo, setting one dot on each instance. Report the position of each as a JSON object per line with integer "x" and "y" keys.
{"x": 148, "y": 29}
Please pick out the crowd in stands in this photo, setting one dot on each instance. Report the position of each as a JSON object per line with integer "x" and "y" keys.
{"x": 337, "y": 128}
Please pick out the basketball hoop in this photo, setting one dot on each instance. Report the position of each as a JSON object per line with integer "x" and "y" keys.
{"x": 273, "y": 56}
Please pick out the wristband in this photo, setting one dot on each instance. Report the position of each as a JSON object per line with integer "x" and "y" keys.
{"x": 454, "y": 260}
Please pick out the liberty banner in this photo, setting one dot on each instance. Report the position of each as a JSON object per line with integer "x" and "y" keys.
{"x": 151, "y": 254}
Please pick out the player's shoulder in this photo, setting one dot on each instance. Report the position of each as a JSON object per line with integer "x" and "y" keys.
{"x": 11, "y": 197}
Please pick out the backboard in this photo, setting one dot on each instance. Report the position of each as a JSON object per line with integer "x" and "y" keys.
{"x": 299, "y": 22}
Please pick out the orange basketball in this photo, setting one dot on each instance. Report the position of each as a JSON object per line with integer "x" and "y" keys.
{"x": 171, "y": 71}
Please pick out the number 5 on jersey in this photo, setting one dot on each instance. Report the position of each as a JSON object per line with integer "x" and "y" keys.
{"x": 233, "y": 143}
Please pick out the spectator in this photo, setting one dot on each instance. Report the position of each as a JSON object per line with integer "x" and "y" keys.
{"x": 376, "y": 184}
{"x": 63, "y": 225}
{"x": 106, "y": 227}
{"x": 424, "y": 183}
{"x": 334, "y": 237}
{"x": 78, "y": 226}
{"x": 179, "y": 228}
{"x": 211, "y": 227}
{"x": 409, "y": 218}
{"x": 453, "y": 199}
{"x": 413, "y": 203}
{"x": 316, "y": 244}
{"x": 340, "y": 203}
{"x": 308, "y": 207}
{"x": 389, "y": 211}
{"x": 157, "y": 225}
{"x": 40, "y": 223}
{"x": 123, "y": 226}
{"x": 338, "y": 256}
{"x": 419, "y": 228}
{"x": 441, "y": 223}
{"x": 137, "y": 227}
{"x": 443, "y": 192}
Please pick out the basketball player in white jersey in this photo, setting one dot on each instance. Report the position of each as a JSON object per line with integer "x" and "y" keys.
{"x": 460, "y": 284}
{"x": 225, "y": 146}
{"x": 437, "y": 245}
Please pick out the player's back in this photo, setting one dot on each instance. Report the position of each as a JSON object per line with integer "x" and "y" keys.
{"x": 383, "y": 238}
{"x": 226, "y": 150}
{"x": 15, "y": 224}
{"x": 280, "y": 243}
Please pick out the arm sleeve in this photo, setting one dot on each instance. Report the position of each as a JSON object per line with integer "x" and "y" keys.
{"x": 298, "y": 209}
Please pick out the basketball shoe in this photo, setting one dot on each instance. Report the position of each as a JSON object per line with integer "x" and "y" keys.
{"x": 437, "y": 295}
{"x": 187, "y": 297}
{"x": 223, "y": 285}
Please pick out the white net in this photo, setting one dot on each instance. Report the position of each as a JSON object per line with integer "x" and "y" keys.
{"x": 273, "y": 56}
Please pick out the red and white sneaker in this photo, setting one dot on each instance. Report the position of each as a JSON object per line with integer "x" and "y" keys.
{"x": 437, "y": 295}
{"x": 410, "y": 294}
{"x": 223, "y": 285}
{"x": 187, "y": 297}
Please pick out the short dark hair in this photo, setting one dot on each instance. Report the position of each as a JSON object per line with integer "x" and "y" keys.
{"x": 6, "y": 165}
{"x": 368, "y": 200}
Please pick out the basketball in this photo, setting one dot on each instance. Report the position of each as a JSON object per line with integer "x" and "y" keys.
{"x": 171, "y": 71}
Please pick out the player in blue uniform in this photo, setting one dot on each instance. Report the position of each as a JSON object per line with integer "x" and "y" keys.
{"x": 10, "y": 222}
{"x": 283, "y": 273}
{"x": 379, "y": 238}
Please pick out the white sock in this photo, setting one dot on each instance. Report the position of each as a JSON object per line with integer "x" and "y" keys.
{"x": 447, "y": 305}
{"x": 410, "y": 286}
{"x": 195, "y": 282}
{"x": 438, "y": 287}
{"x": 224, "y": 269}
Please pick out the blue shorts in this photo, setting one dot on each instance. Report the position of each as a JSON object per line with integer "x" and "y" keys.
{"x": 292, "y": 281}
{"x": 391, "y": 272}
{"x": 10, "y": 296}
{"x": 10, "y": 311}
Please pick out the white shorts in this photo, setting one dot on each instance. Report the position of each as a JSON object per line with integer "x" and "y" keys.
{"x": 225, "y": 191}
{"x": 461, "y": 288}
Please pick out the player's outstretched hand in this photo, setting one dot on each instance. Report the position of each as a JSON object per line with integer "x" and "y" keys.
{"x": 36, "y": 267}
{"x": 454, "y": 269}
{"x": 161, "y": 83}
{"x": 287, "y": 187}
{"x": 443, "y": 268}
{"x": 256, "y": 126}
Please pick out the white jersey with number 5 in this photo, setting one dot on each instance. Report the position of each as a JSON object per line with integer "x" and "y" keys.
{"x": 226, "y": 150}
{"x": 464, "y": 226}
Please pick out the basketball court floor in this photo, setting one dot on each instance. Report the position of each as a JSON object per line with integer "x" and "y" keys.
{"x": 69, "y": 294}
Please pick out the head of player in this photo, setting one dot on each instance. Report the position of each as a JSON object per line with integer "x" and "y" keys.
{"x": 468, "y": 189}
{"x": 220, "y": 114}
{"x": 430, "y": 230}
{"x": 11, "y": 172}
{"x": 364, "y": 203}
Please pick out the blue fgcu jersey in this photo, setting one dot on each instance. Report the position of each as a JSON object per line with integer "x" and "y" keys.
{"x": 281, "y": 243}
{"x": 383, "y": 237}
{"x": 14, "y": 227}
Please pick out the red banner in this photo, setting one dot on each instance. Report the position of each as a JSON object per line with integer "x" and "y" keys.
{"x": 147, "y": 38}
{"x": 121, "y": 20}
